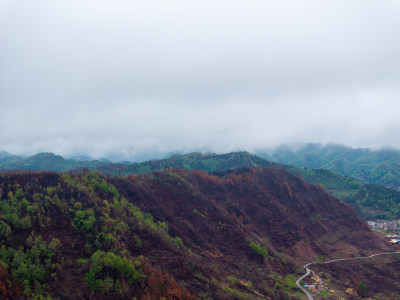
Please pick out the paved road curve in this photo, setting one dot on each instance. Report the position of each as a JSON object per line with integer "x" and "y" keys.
{"x": 310, "y": 297}
{"x": 308, "y": 271}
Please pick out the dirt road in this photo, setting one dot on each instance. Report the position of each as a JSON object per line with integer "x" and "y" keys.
{"x": 308, "y": 271}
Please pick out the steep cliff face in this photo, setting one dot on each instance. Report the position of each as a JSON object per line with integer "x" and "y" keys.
{"x": 171, "y": 233}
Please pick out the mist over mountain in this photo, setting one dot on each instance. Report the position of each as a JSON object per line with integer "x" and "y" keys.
{"x": 153, "y": 77}
{"x": 141, "y": 149}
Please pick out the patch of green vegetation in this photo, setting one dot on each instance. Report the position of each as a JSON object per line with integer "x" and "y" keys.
{"x": 231, "y": 280}
{"x": 82, "y": 260}
{"x": 101, "y": 218}
{"x": 236, "y": 294}
{"x": 326, "y": 295}
{"x": 88, "y": 221}
{"x": 146, "y": 222}
{"x": 321, "y": 258}
{"x": 108, "y": 270}
{"x": 34, "y": 265}
{"x": 286, "y": 285}
{"x": 259, "y": 249}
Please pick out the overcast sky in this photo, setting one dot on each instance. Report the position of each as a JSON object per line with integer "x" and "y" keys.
{"x": 134, "y": 77}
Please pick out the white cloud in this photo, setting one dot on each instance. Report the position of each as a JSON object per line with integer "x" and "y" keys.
{"x": 139, "y": 76}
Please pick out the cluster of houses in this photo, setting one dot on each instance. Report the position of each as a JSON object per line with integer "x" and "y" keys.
{"x": 386, "y": 225}
{"x": 315, "y": 287}
{"x": 392, "y": 227}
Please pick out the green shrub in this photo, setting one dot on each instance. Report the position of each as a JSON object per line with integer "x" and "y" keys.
{"x": 5, "y": 230}
{"x": 178, "y": 242}
{"x": 258, "y": 249}
{"x": 362, "y": 289}
{"x": 279, "y": 286}
{"x": 231, "y": 280}
{"x": 132, "y": 272}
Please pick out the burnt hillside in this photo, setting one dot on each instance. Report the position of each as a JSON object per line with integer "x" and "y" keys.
{"x": 173, "y": 233}
{"x": 268, "y": 202}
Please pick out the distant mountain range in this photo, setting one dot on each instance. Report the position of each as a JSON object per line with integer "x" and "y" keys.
{"x": 373, "y": 166}
{"x": 369, "y": 166}
{"x": 6, "y": 156}
{"x": 44, "y": 161}
{"x": 208, "y": 162}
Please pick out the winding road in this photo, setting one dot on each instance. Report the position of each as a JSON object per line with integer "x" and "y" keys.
{"x": 308, "y": 271}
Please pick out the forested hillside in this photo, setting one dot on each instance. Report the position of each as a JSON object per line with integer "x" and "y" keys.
{"x": 174, "y": 233}
{"x": 372, "y": 201}
{"x": 373, "y": 166}
{"x": 6, "y": 156}
{"x": 44, "y": 161}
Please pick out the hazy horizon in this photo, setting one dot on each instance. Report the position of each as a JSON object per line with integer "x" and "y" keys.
{"x": 142, "y": 78}
{"x": 146, "y": 156}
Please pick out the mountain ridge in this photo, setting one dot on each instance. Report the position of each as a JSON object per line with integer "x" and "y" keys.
{"x": 385, "y": 205}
